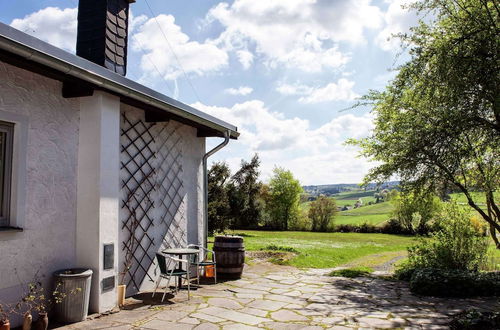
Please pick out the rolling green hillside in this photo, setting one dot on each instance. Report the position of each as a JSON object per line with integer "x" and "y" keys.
{"x": 374, "y": 214}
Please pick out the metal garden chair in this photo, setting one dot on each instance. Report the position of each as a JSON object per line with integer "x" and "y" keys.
{"x": 202, "y": 261}
{"x": 164, "y": 262}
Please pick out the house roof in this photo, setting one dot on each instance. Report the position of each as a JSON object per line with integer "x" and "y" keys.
{"x": 30, "y": 53}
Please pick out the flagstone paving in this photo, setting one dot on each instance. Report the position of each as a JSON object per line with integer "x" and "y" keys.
{"x": 278, "y": 297}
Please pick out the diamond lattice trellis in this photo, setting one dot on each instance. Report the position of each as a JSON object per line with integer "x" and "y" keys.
{"x": 151, "y": 172}
{"x": 170, "y": 186}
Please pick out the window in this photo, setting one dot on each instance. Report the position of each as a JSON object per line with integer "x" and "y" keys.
{"x": 6, "y": 150}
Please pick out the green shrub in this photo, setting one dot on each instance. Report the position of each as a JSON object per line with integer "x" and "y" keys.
{"x": 404, "y": 271}
{"x": 454, "y": 283}
{"x": 352, "y": 272}
{"x": 474, "y": 319}
{"x": 393, "y": 226}
{"x": 363, "y": 228}
{"x": 274, "y": 247}
{"x": 456, "y": 246}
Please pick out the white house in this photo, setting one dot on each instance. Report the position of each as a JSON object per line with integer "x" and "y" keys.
{"x": 89, "y": 157}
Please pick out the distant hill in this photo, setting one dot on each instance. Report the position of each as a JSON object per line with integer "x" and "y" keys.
{"x": 332, "y": 189}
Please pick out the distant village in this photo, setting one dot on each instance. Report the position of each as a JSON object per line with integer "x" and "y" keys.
{"x": 379, "y": 192}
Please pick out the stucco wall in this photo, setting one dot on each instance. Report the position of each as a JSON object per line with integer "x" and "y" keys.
{"x": 177, "y": 213}
{"x": 51, "y": 123}
{"x": 48, "y": 161}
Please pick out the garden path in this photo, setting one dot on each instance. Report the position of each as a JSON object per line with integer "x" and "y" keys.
{"x": 278, "y": 297}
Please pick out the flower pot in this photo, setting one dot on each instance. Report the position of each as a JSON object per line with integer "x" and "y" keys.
{"x": 27, "y": 320}
{"x": 121, "y": 289}
{"x": 5, "y": 325}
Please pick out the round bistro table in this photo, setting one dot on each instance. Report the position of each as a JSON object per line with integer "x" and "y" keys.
{"x": 181, "y": 252}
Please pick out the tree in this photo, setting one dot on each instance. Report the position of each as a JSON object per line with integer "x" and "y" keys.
{"x": 219, "y": 219}
{"x": 243, "y": 192}
{"x": 322, "y": 212}
{"x": 284, "y": 195}
{"x": 438, "y": 121}
{"x": 414, "y": 210}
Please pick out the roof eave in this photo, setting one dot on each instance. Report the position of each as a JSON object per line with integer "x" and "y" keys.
{"x": 35, "y": 50}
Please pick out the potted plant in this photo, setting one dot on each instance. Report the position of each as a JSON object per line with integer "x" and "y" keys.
{"x": 36, "y": 301}
{"x": 5, "y": 312}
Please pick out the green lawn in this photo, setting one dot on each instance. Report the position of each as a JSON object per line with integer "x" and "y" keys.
{"x": 478, "y": 197}
{"x": 374, "y": 214}
{"x": 325, "y": 250}
{"x": 350, "y": 198}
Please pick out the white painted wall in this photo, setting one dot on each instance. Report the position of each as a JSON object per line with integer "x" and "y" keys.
{"x": 98, "y": 192}
{"x": 48, "y": 214}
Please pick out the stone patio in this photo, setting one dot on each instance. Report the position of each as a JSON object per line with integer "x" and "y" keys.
{"x": 277, "y": 297}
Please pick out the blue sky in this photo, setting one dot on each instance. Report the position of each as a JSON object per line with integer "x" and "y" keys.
{"x": 281, "y": 70}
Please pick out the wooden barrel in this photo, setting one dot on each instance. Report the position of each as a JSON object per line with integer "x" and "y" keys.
{"x": 230, "y": 256}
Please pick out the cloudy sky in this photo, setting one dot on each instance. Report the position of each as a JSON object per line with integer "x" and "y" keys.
{"x": 283, "y": 71}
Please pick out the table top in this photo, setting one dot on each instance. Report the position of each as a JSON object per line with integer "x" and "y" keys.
{"x": 181, "y": 251}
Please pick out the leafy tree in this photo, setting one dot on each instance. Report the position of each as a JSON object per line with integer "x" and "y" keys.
{"x": 284, "y": 195}
{"x": 243, "y": 194}
{"x": 414, "y": 210}
{"x": 322, "y": 212}
{"x": 219, "y": 219}
{"x": 438, "y": 121}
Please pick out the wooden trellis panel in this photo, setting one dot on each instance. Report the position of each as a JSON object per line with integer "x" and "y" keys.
{"x": 151, "y": 166}
{"x": 170, "y": 186}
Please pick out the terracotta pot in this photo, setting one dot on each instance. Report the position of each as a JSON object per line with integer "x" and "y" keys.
{"x": 42, "y": 323}
{"x": 5, "y": 325}
{"x": 27, "y": 320}
{"x": 121, "y": 289}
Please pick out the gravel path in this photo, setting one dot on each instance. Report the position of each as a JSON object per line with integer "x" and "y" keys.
{"x": 388, "y": 266}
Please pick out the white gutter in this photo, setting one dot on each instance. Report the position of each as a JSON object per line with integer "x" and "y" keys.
{"x": 227, "y": 135}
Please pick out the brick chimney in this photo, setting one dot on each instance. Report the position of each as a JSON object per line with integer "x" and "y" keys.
{"x": 102, "y": 33}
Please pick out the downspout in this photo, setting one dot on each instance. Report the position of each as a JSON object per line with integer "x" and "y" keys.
{"x": 205, "y": 185}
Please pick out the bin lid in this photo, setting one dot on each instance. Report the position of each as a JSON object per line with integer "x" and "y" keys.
{"x": 73, "y": 272}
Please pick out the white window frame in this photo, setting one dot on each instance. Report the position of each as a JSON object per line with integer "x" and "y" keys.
{"x": 6, "y": 128}
{"x": 17, "y": 211}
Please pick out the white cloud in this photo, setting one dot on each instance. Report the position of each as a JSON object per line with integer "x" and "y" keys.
{"x": 397, "y": 20}
{"x": 315, "y": 155}
{"x": 243, "y": 90}
{"x": 195, "y": 57}
{"x": 340, "y": 91}
{"x": 295, "y": 89}
{"x": 300, "y": 34}
{"x": 53, "y": 25}
{"x": 265, "y": 130}
{"x": 245, "y": 57}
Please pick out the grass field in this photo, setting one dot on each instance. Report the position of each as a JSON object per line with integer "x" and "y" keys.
{"x": 325, "y": 250}
{"x": 328, "y": 250}
{"x": 374, "y": 214}
{"x": 478, "y": 197}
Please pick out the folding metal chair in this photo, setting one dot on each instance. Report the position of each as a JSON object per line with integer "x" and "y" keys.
{"x": 164, "y": 262}
{"x": 201, "y": 261}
